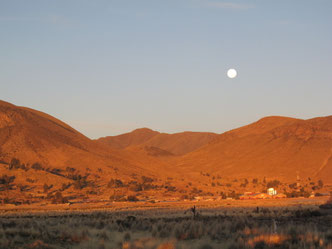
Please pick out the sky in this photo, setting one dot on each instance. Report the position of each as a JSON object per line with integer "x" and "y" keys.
{"x": 109, "y": 67}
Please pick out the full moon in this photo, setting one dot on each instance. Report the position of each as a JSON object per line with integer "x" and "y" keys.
{"x": 231, "y": 73}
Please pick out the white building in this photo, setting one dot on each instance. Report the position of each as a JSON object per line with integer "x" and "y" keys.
{"x": 271, "y": 191}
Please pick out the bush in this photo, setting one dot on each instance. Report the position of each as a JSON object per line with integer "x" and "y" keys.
{"x": 132, "y": 198}
{"x": 80, "y": 182}
{"x": 136, "y": 187}
{"x": 146, "y": 179}
{"x": 59, "y": 199}
{"x": 115, "y": 183}
{"x": 273, "y": 184}
{"x": 117, "y": 197}
{"x": 171, "y": 188}
{"x": 65, "y": 186}
{"x": 6, "y": 182}
{"x": 37, "y": 166}
{"x": 14, "y": 164}
{"x": 47, "y": 187}
{"x": 234, "y": 195}
{"x": 126, "y": 237}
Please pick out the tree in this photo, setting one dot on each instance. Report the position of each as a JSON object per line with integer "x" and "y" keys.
{"x": 273, "y": 184}
{"x": 194, "y": 211}
{"x": 37, "y": 166}
{"x": 46, "y": 187}
{"x": 136, "y": 187}
{"x": 6, "y": 182}
{"x": 81, "y": 182}
{"x": 132, "y": 198}
{"x": 14, "y": 163}
{"x": 65, "y": 186}
{"x": 115, "y": 183}
{"x": 146, "y": 179}
{"x": 59, "y": 199}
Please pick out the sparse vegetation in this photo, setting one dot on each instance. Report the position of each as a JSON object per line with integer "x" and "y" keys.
{"x": 58, "y": 198}
{"x": 273, "y": 184}
{"x": 115, "y": 183}
{"x": 37, "y": 166}
{"x": 223, "y": 229}
{"x": 80, "y": 182}
{"x": 6, "y": 182}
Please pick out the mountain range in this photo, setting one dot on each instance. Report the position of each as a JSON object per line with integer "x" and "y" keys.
{"x": 274, "y": 147}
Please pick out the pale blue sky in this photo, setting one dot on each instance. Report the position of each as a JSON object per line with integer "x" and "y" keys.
{"x": 108, "y": 67}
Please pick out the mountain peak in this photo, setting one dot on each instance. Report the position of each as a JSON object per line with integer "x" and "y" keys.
{"x": 144, "y": 130}
{"x": 276, "y": 119}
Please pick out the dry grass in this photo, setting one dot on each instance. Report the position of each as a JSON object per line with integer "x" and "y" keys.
{"x": 212, "y": 229}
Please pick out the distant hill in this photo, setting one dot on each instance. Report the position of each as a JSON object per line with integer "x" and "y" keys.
{"x": 33, "y": 136}
{"x": 133, "y": 138}
{"x": 171, "y": 144}
{"x": 41, "y": 155}
{"x": 275, "y": 147}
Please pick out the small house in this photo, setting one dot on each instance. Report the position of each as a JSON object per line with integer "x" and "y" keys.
{"x": 271, "y": 191}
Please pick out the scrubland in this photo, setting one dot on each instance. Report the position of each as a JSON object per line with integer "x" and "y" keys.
{"x": 232, "y": 228}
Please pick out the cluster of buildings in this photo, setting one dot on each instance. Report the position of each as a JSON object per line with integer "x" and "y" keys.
{"x": 270, "y": 193}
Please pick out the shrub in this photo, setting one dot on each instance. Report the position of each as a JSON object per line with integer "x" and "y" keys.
{"x": 171, "y": 188}
{"x": 126, "y": 236}
{"x": 136, "y": 187}
{"x": 234, "y": 195}
{"x": 22, "y": 187}
{"x": 115, "y": 183}
{"x": 59, "y": 199}
{"x": 37, "y": 166}
{"x": 30, "y": 180}
{"x": 14, "y": 164}
{"x": 6, "y": 182}
{"x": 47, "y": 187}
{"x": 70, "y": 170}
{"x": 65, "y": 186}
{"x": 81, "y": 182}
{"x": 132, "y": 198}
{"x": 117, "y": 197}
{"x": 273, "y": 184}
{"x": 146, "y": 179}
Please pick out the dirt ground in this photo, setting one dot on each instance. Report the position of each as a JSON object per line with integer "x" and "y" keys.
{"x": 178, "y": 205}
